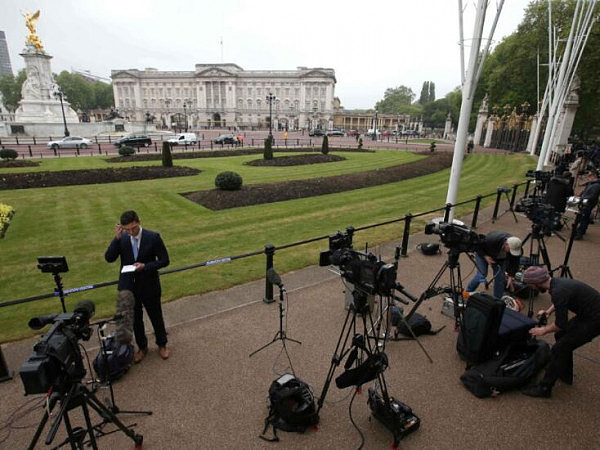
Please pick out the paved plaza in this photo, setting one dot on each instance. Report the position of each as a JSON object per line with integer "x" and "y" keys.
{"x": 211, "y": 394}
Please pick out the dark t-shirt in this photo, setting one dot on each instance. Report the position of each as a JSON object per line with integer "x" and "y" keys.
{"x": 575, "y": 296}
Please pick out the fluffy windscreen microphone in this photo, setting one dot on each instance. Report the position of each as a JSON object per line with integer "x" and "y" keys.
{"x": 85, "y": 308}
{"x": 274, "y": 278}
{"x": 124, "y": 326}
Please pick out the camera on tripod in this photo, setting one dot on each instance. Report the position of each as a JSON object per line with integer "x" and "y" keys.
{"x": 541, "y": 214}
{"x": 364, "y": 270}
{"x": 53, "y": 264}
{"x": 456, "y": 237}
{"x": 56, "y": 360}
{"x": 539, "y": 175}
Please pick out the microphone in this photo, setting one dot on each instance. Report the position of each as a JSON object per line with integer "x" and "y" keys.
{"x": 85, "y": 308}
{"x": 273, "y": 278}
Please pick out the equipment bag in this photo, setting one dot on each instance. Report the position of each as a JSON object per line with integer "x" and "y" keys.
{"x": 510, "y": 369}
{"x": 291, "y": 406}
{"x": 478, "y": 333}
{"x": 418, "y": 323}
{"x": 117, "y": 360}
{"x": 428, "y": 248}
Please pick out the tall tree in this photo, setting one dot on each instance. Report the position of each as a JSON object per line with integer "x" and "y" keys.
{"x": 431, "y": 96}
{"x": 424, "y": 97}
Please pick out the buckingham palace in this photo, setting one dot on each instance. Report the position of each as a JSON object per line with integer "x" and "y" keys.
{"x": 227, "y": 96}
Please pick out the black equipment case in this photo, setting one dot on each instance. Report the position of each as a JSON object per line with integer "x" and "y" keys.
{"x": 478, "y": 333}
{"x": 514, "y": 328}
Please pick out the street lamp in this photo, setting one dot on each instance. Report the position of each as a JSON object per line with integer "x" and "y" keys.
{"x": 270, "y": 98}
{"x": 375, "y": 127}
{"x": 167, "y": 104}
{"x": 186, "y": 103}
{"x": 59, "y": 94}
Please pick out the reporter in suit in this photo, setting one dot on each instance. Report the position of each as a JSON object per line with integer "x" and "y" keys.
{"x": 145, "y": 250}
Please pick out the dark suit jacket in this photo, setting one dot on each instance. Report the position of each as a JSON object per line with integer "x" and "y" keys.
{"x": 152, "y": 253}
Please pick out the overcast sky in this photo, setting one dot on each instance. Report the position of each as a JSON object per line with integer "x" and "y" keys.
{"x": 371, "y": 45}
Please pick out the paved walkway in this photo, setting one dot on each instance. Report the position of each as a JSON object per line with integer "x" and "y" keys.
{"x": 210, "y": 394}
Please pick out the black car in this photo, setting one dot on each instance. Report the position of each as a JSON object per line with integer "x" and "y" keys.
{"x": 134, "y": 140}
{"x": 335, "y": 133}
{"x": 316, "y": 132}
{"x": 225, "y": 139}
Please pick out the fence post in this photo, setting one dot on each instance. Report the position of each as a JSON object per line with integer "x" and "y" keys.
{"x": 269, "y": 251}
{"x": 476, "y": 211}
{"x": 448, "y": 208}
{"x": 514, "y": 195}
{"x": 30, "y": 153}
{"x": 496, "y": 206}
{"x": 405, "y": 234}
{"x": 5, "y": 374}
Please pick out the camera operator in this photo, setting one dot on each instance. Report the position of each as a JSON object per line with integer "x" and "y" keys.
{"x": 566, "y": 295}
{"x": 589, "y": 198}
{"x": 502, "y": 251}
{"x": 559, "y": 190}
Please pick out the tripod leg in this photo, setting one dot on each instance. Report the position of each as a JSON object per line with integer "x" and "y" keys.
{"x": 40, "y": 427}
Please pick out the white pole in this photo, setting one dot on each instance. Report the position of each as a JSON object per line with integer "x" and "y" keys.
{"x": 468, "y": 90}
{"x": 461, "y": 42}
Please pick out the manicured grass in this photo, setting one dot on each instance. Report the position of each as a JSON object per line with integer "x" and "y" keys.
{"x": 78, "y": 222}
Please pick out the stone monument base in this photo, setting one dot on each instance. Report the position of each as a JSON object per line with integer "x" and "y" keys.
{"x": 44, "y": 111}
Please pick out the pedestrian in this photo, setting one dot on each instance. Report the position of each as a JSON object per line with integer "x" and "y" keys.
{"x": 589, "y": 200}
{"x": 567, "y": 295}
{"x": 240, "y": 140}
{"x": 142, "y": 254}
{"x": 501, "y": 251}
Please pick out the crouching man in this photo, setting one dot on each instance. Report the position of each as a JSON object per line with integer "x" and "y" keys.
{"x": 566, "y": 295}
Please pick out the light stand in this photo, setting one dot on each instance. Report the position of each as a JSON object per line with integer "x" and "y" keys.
{"x": 55, "y": 265}
{"x": 281, "y": 334}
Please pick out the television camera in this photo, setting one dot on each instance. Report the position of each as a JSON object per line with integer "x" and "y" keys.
{"x": 539, "y": 175}
{"x": 56, "y": 360}
{"x": 458, "y": 238}
{"x": 364, "y": 270}
{"x": 541, "y": 214}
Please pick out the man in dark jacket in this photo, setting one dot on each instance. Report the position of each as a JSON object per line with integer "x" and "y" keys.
{"x": 558, "y": 192}
{"x": 589, "y": 197}
{"x": 502, "y": 251}
{"x": 142, "y": 254}
{"x": 570, "y": 334}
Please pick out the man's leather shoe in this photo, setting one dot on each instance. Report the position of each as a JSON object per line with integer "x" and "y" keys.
{"x": 164, "y": 352}
{"x": 538, "y": 390}
{"x": 139, "y": 355}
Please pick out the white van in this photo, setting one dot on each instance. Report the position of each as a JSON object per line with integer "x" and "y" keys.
{"x": 184, "y": 139}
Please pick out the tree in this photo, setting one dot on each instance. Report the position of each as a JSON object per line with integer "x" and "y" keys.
{"x": 325, "y": 145}
{"x": 427, "y": 93}
{"x": 10, "y": 88}
{"x": 431, "y": 97}
{"x": 396, "y": 100}
{"x": 167, "y": 158}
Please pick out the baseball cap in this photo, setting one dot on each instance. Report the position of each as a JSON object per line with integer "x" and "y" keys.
{"x": 514, "y": 245}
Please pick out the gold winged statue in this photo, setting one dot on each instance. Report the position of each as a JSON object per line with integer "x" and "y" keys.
{"x": 33, "y": 38}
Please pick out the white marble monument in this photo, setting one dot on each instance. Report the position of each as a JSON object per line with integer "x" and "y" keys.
{"x": 40, "y": 103}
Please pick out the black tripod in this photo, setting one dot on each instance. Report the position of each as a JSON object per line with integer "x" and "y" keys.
{"x": 78, "y": 396}
{"x": 455, "y": 290}
{"x": 565, "y": 270}
{"x": 537, "y": 247}
{"x": 280, "y": 335}
{"x": 505, "y": 191}
{"x": 107, "y": 378}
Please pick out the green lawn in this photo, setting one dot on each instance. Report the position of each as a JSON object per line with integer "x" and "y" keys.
{"x": 78, "y": 222}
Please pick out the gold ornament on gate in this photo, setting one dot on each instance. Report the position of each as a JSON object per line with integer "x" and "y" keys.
{"x": 33, "y": 39}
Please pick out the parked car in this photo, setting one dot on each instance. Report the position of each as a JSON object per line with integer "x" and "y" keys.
{"x": 70, "y": 142}
{"x": 353, "y": 133}
{"x": 386, "y": 133}
{"x": 370, "y": 132}
{"x": 184, "y": 139}
{"x": 225, "y": 139}
{"x": 335, "y": 133}
{"x": 316, "y": 132}
{"x": 134, "y": 140}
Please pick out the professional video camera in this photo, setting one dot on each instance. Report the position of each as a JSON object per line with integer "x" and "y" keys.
{"x": 541, "y": 214}
{"x": 364, "y": 270}
{"x": 56, "y": 360}
{"x": 456, "y": 237}
{"x": 539, "y": 175}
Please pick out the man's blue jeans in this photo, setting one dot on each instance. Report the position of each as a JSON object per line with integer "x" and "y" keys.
{"x": 481, "y": 276}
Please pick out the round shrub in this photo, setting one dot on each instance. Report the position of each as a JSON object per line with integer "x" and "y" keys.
{"x": 8, "y": 154}
{"x": 125, "y": 150}
{"x": 228, "y": 181}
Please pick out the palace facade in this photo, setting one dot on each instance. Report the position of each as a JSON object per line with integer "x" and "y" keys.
{"x": 227, "y": 96}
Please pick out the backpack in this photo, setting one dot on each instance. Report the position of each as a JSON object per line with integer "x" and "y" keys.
{"x": 291, "y": 407}
{"x": 428, "y": 248}
{"x": 512, "y": 368}
{"x": 117, "y": 361}
{"x": 418, "y": 323}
